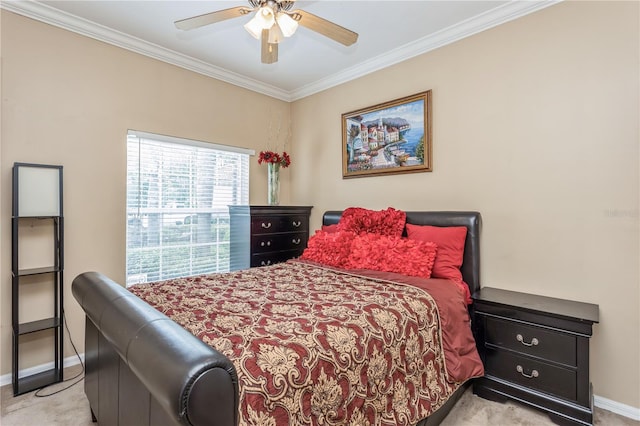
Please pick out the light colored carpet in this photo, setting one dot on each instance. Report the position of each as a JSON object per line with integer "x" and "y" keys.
{"x": 472, "y": 410}
{"x": 70, "y": 408}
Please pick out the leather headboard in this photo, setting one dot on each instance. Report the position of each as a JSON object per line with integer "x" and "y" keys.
{"x": 472, "y": 220}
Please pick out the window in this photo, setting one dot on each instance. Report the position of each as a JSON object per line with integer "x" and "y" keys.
{"x": 177, "y": 196}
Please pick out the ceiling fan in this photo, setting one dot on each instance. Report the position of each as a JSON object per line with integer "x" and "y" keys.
{"x": 273, "y": 20}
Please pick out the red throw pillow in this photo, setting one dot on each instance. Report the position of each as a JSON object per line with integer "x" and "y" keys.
{"x": 329, "y": 248}
{"x": 383, "y": 222}
{"x": 392, "y": 254}
{"x": 450, "y": 241}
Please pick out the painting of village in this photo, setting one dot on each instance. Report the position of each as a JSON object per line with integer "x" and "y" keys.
{"x": 390, "y": 138}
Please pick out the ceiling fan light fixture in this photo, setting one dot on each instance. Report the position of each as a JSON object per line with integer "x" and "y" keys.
{"x": 262, "y": 20}
{"x": 254, "y": 28}
{"x": 287, "y": 24}
{"x": 266, "y": 17}
{"x": 275, "y": 34}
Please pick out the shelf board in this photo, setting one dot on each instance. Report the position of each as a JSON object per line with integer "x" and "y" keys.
{"x": 36, "y": 381}
{"x": 40, "y": 325}
{"x": 36, "y": 217}
{"x": 38, "y": 271}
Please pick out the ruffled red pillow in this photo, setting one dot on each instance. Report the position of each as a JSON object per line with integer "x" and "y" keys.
{"x": 392, "y": 254}
{"x": 330, "y": 228}
{"x": 450, "y": 241}
{"x": 384, "y": 222}
{"x": 329, "y": 248}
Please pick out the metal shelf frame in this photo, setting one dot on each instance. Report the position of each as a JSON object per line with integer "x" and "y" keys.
{"x": 33, "y": 184}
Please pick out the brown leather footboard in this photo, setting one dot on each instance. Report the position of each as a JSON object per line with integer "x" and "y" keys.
{"x": 144, "y": 369}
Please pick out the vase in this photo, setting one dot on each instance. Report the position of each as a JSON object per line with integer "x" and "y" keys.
{"x": 273, "y": 184}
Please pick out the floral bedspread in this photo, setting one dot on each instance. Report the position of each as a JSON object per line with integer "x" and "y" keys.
{"x": 314, "y": 345}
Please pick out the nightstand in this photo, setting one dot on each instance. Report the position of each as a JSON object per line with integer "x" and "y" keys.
{"x": 535, "y": 350}
{"x": 264, "y": 235}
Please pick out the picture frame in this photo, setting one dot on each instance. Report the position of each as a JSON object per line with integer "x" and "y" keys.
{"x": 389, "y": 138}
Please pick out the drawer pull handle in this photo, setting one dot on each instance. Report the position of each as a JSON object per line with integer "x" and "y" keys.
{"x": 266, "y": 225}
{"x": 520, "y": 339}
{"x": 268, "y": 244}
{"x": 296, "y": 241}
{"x": 265, "y": 263}
{"x": 296, "y": 224}
{"x": 534, "y": 373}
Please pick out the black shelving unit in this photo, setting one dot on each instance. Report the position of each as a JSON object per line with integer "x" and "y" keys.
{"x": 37, "y": 198}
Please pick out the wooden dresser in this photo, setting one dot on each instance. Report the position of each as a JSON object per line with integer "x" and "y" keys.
{"x": 264, "y": 235}
{"x": 535, "y": 350}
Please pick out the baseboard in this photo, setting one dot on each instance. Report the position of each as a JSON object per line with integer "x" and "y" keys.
{"x": 617, "y": 407}
{"x": 600, "y": 402}
{"x": 68, "y": 362}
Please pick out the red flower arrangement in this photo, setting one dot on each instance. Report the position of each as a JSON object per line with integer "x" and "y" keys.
{"x": 274, "y": 158}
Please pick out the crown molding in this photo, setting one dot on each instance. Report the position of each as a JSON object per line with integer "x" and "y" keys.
{"x": 499, "y": 15}
{"x": 49, "y": 15}
{"x": 492, "y": 18}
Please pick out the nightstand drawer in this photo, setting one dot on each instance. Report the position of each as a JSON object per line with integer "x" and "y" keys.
{"x": 531, "y": 340}
{"x": 265, "y": 259}
{"x": 272, "y": 242}
{"x": 533, "y": 374}
{"x": 274, "y": 224}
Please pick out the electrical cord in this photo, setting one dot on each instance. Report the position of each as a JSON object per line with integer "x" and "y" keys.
{"x": 81, "y": 373}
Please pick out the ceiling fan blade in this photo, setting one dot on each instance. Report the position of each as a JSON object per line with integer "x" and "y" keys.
{"x": 324, "y": 27}
{"x": 211, "y": 18}
{"x": 269, "y": 50}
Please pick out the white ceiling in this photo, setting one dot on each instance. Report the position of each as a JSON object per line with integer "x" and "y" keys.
{"x": 389, "y": 32}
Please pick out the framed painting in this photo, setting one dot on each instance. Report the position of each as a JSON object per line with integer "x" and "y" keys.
{"x": 392, "y": 137}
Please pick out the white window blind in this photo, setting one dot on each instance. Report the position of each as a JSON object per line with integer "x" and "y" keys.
{"x": 178, "y": 193}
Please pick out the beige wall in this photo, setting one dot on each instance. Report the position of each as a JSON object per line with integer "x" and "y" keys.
{"x": 69, "y": 100}
{"x": 535, "y": 125}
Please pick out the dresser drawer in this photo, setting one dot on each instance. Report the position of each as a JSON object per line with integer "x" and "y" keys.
{"x": 533, "y": 374}
{"x": 531, "y": 340}
{"x": 277, "y": 242}
{"x": 264, "y": 259}
{"x": 284, "y": 223}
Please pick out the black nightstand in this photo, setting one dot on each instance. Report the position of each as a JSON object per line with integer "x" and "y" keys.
{"x": 535, "y": 350}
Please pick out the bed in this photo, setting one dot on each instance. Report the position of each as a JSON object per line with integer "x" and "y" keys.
{"x": 145, "y": 367}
